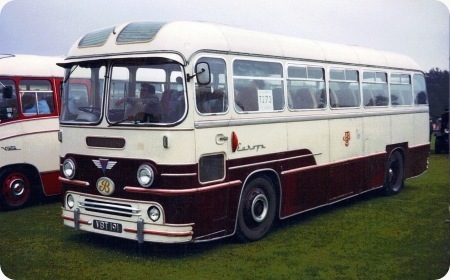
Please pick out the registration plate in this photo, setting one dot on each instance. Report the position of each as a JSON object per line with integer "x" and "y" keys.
{"x": 107, "y": 226}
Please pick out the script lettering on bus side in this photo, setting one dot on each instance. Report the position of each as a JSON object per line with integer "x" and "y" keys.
{"x": 250, "y": 148}
{"x": 10, "y": 148}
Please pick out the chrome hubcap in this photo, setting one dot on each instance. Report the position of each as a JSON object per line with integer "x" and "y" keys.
{"x": 17, "y": 187}
{"x": 260, "y": 208}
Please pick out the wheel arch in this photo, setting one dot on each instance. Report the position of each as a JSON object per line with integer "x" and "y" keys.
{"x": 272, "y": 176}
{"x": 389, "y": 187}
{"x": 402, "y": 149}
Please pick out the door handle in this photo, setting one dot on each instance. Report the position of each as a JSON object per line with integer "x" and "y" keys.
{"x": 220, "y": 139}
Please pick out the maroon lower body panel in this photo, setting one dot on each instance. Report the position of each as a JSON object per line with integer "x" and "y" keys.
{"x": 417, "y": 160}
{"x": 313, "y": 186}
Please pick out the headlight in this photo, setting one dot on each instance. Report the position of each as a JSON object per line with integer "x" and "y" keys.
{"x": 70, "y": 201}
{"x": 153, "y": 213}
{"x": 68, "y": 168}
{"x": 145, "y": 175}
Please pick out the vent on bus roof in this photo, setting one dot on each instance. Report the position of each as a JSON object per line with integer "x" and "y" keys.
{"x": 96, "y": 38}
{"x": 139, "y": 32}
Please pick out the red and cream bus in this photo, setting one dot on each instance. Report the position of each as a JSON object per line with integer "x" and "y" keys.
{"x": 29, "y": 109}
{"x": 195, "y": 131}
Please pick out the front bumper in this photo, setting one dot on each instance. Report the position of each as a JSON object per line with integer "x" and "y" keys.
{"x": 122, "y": 218}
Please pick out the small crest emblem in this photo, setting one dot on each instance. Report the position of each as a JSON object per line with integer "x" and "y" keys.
{"x": 104, "y": 164}
{"x": 346, "y": 138}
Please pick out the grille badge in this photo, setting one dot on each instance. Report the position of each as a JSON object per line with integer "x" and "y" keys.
{"x": 104, "y": 164}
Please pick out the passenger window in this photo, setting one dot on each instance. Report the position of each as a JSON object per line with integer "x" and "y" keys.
{"x": 344, "y": 88}
{"x": 375, "y": 89}
{"x": 213, "y": 97}
{"x": 36, "y": 97}
{"x": 401, "y": 91}
{"x": 420, "y": 90}
{"x": 258, "y": 86}
{"x": 306, "y": 87}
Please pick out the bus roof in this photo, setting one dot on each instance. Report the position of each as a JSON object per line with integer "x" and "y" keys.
{"x": 30, "y": 66}
{"x": 181, "y": 39}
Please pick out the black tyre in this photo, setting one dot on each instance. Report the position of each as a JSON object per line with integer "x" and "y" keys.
{"x": 256, "y": 209}
{"x": 15, "y": 189}
{"x": 394, "y": 177}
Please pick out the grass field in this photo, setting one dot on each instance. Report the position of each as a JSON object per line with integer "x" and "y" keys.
{"x": 370, "y": 237}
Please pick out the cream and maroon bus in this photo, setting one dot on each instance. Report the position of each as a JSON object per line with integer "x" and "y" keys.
{"x": 29, "y": 109}
{"x": 240, "y": 128}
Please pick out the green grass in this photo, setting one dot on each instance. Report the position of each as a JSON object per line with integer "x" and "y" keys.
{"x": 370, "y": 237}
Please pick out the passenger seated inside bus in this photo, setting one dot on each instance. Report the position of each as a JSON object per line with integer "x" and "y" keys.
{"x": 172, "y": 103}
{"x": 176, "y": 106}
{"x": 210, "y": 102}
{"x": 303, "y": 99}
{"x": 278, "y": 98}
{"x": 247, "y": 97}
{"x": 145, "y": 108}
{"x": 29, "y": 104}
{"x": 421, "y": 98}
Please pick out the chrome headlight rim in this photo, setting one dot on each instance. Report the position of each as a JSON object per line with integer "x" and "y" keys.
{"x": 154, "y": 213}
{"x": 145, "y": 175}
{"x": 70, "y": 201}
{"x": 69, "y": 168}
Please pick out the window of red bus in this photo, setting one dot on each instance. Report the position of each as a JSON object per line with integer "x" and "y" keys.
{"x": 37, "y": 97}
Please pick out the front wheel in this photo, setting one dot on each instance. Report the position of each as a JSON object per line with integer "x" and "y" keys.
{"x": 394, "y": 177}
{"x": 256, "y": 210}
{"x": 15, "y": 190}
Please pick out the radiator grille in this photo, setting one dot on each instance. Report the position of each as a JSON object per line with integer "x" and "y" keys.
{"x": 111, "y": 208}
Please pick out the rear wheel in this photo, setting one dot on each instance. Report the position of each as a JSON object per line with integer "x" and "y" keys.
{"x": 15, "y": 189}
{"x": 256, "y": 209}
{"x": 394, "y": 177}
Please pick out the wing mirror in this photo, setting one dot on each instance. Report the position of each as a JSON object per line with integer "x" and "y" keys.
{"x": 202, "y": 73}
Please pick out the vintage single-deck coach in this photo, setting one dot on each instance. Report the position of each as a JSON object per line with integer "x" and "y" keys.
{"x": 29, "y": 110}
{"x": 191, "y": 131}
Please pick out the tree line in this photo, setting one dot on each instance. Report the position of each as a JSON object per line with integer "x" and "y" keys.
{"x": 437, "y": 81}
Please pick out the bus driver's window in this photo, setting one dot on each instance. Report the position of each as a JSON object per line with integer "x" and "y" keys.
{"x": 8, "y": 101}
{"x": 213, "y": 98}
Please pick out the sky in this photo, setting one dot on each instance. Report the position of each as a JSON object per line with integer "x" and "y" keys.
{"x": 417, "y": 28}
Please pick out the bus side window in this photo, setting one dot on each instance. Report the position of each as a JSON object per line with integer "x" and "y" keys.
{"x": 375, "y": 89}
{"x": 344, "y": 88}
{"x": 401, "y": 90}
{"x": 420, "y": 90}
{"x": 37, "y": 97}
{"x": 258, "y": 86}
{"x": 306, "y": 87}
{"x": 212, "y": 98}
